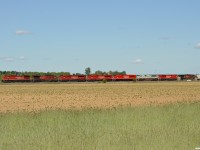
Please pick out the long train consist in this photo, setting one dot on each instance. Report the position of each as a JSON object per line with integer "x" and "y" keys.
{"x": 94, "y": 77}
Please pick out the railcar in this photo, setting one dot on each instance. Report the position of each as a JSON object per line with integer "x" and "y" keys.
{"x": 36, "y": 78}
{"x": 124, "y": 77}
{"x": 187, "y": 76}
{"x": 15, "y": 78}
{"x": 48, "y": 78}
{"x": 147, "y": 77}
{"x": 96, "y": 77}
{"x": 198, "y": 76}
{"x": 64, "y": 78}
{"x": 106, "y": 77}
{"x": 93, "y": 77}
{"x": 168, "y": 77}
{"x": 78, "y": 78}
{"x": 68, "y": 78}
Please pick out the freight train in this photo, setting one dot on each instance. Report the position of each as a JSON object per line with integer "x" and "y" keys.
{"x": 95, "y": 77}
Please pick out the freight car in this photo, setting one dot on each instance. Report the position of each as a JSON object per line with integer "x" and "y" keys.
{"x": 198, "y": 77}
{"x": 187, "y": 76}
{"x": 147, "y": 77}
{"x": 36, "y": 78}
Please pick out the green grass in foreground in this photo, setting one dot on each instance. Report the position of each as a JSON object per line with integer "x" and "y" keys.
{"x": 168, "y": 128}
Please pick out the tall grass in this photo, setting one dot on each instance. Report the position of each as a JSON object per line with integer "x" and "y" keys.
{"x": 167, "y": 127}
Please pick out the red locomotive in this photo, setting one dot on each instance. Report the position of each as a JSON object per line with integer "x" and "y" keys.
{"x": 67, "y": 78}
{"x": 48, "y": 78}
{"x": 15, "y": 78}
{"x": 168, "y": 77}
{"x": 124, "y": 77}
{"x": 95, "y": 77}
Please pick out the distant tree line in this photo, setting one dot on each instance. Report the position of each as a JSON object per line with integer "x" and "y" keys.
{"x": 99, "y": 72}
{"x": 109, "y": 72}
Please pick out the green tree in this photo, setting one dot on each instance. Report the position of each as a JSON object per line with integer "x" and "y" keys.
{"x": 99, "y": 72}
{"x": 87, "y": 71}
{"x": 116, "y": 72}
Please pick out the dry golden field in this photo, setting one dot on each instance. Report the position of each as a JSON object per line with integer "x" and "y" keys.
{"x": 39, "y": 96}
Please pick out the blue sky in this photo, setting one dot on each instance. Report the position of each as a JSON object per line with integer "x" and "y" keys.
{"x": 138, "y": 36}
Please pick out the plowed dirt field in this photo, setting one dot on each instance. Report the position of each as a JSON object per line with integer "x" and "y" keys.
{"x": 34, "y": 97}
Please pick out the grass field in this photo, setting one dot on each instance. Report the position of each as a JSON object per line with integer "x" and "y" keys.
{"x": 170, "y": 127}
{"x": 100, "y": 116}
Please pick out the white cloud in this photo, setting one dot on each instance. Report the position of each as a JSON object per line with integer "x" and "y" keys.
{"x": 11, "y": 59}
{"x": 22, "y": 58}
{"x": 198, "y": 45}
{"x": 138, "y": 61}
{"x": 22, "y": 32}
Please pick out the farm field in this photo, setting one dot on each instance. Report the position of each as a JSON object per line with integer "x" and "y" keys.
{"x": 157, "y": 115}
{"x": 168, "y": 127}
{"x": 34, "y": 97}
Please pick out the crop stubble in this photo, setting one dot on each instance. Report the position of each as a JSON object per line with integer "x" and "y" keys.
{"x": 34, "y": 97}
